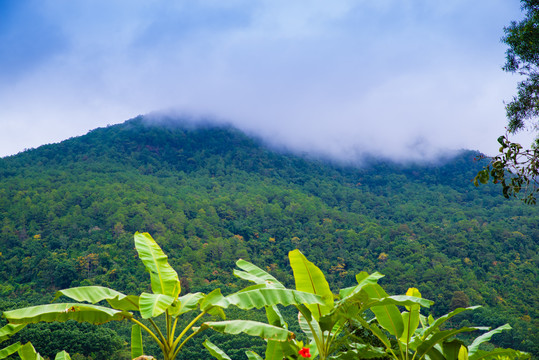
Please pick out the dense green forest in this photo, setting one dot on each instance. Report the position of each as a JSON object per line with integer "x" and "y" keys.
{"x": 210, "y": 195}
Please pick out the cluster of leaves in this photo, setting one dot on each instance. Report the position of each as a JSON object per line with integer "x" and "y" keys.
{"x": 515, "y": 167}
{"x": 212, "y": 195}
{"x": 322, "y": 317}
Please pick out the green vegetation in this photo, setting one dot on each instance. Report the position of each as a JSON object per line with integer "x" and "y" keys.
{"x": 164, "y": 300}
{"x": 516, "y": 167}
{"x": 321, "y": 317}
{"x": 211, "y": 195}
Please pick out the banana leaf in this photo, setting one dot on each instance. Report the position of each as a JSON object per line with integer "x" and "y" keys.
{"x": 208, "y": 303}
{"x": 259, "y": 298}
{"x": 215, "y": 351}
{"x": 253, "y": 328}
{"x": 95, "y": 294}
{"x": 497, "y": 354}
{"x": 452, "y": 349}
{"x": 9, "y": 330}
{"x": 388, "y": 315}
{"x": 472, "y": 349}
{"x": 152, "y": 305}
{"x": 11, "y": 349}
{"x": 363, "y": 279}
{"x": 255, "y": 274}
{"x": 136, "y": 341}
{"x": 186, "y": 303}
{"x": 251, "y": 355}
{"x": 27, "y": 352}
{"x": 435, "y": 324}
{"x": 309, "y": 278}
{"x": 274, "y": 350}
{"x": 164, "y": 278}
{"x": 410, "y": 319}
{"x": 62, "y": 355}
{"x": 438, "y": 338}
{"x": 62, "y": 312}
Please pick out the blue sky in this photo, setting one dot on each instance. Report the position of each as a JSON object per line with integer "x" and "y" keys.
{"x": 407, "y": 79}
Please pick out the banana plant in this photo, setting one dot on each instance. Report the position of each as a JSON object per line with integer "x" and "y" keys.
{"x": 326, "y": 325}
{"x": 165, "y": 301}
{"x": 323, "y": 323}
{"x": 428, "y": 341}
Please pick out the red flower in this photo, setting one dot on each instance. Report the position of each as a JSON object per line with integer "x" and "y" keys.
{"x": 305, "y": 352}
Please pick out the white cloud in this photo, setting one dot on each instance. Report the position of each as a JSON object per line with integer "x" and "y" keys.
{"x": 330, "y": 77}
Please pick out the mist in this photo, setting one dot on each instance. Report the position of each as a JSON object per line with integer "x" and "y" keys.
{"x": 406, "y": 80}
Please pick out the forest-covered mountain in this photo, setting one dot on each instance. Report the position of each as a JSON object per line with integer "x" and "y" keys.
{"x": 210, "y": 195}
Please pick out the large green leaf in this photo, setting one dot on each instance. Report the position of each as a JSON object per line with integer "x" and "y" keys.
{"x": 11, "y": 349}
{"x": 152, "y": 305}
{"x": 208, "y": 304}
{"x": 164, "y": 278}
{"x": 410, "y": 319}
{"x": 435, "y": 324}
{"x": 136, "y": 341}
{"x": 312, "y": 331}
{"x": 251, "y": 355}
{"x": 9, "y": 330}
{"x": 275, "y": 317}
{"x": 255, "y": 274}
{"x": 388, "y": 316}
{"x": 274, "y": 350}
{"x": 259, "y": 298}
{"x": 497, "y": 354}
{"x": 215, "y": 351}
{"x": 309, "y": 278}
{"x": 62, "y": 312}
{"x": 249, "y": 327}
{"x": 472, "y": 349}
{"x": 186, "y": 303}
{"x": 95, "y": 294}
{"x": 62, "y": 355}
{"x": 438, "y": 338}
{"x": 452, "y": 349}
{"x": 27, "y": 352}
{"x": 363, "y": 279}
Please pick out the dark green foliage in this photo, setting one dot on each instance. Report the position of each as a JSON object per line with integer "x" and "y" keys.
{"x": 516, "y": 168}
{"x": 97, "y": 342}
{"x": 212, "y": 195}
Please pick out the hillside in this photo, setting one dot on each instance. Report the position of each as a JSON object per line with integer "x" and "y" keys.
{"x": 211, "y": 195}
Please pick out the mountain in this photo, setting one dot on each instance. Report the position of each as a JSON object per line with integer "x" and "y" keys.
{"x": 210, "y": 195}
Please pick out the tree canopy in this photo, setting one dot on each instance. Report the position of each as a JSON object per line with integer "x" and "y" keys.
{"x": 516, "y": 167}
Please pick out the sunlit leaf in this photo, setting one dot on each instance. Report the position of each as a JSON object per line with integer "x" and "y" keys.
{"x": 95, "y": 294}
{"x": 152, "y": 305}
{"x": 62, "y": 312}
{"x": 136, "y": 341}
{"x": 9, "y": 330}
{"x": 388, "y": 315}
{"x": 164, "y": 278}
{"x": 309, "y": 278}
{"x": 472, "y": 349}
{"x": 215, "y": 351}
{"x": 267, "y": 297}
{"x": 186, "y": 303}
{"x": 62, "y": 355}
{"x": 11, "y": 349}
{"x": 251, "y": 355}
{"x": 249, "y": 327}
{"x": 27, "y": 352}
{"x": 255, "y": 274}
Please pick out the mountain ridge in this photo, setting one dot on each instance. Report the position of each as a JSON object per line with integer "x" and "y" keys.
{"x": 211, "y": 195}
